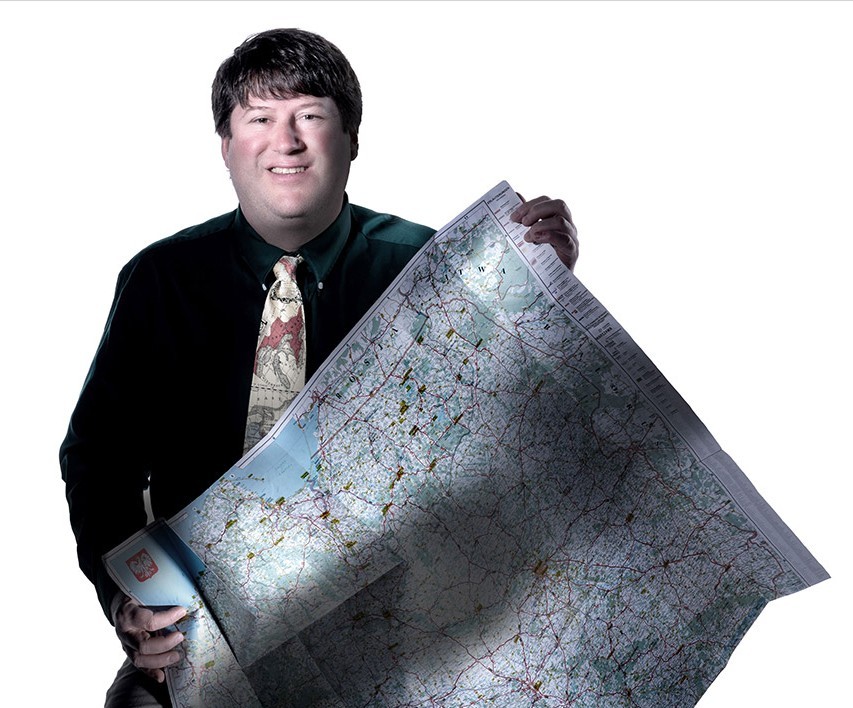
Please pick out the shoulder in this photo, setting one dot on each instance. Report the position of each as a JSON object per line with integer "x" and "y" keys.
{"x": 208, "y": 234}
{"x": 389, "y": 229}
{"x": 192, "y": 245}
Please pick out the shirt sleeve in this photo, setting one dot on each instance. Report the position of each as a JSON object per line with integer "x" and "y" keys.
{"x": 103, "y": 457}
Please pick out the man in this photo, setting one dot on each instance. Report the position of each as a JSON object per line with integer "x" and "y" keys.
{"x": 179, "y": 349}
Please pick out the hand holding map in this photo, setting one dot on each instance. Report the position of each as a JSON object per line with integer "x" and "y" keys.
{"x": 550, "y": 221}
{"x": 139, "y": 630}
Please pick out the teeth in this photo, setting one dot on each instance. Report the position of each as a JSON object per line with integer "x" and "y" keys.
{"x": 287, "y": 170}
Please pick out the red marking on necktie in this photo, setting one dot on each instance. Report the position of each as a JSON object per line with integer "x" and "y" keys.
{"x": 279, "y": 329}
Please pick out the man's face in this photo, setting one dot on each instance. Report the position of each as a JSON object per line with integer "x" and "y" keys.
{"x": 289, "y": 161}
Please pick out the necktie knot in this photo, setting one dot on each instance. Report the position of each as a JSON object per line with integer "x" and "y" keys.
{"x": 285, "y": 287}
{"x": 285, "y": 268}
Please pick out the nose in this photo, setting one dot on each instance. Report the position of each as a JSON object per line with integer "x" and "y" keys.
{"x": 287, "y": 139}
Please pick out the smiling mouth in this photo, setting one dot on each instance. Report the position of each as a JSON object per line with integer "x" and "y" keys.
{"x": 286, "y": 170}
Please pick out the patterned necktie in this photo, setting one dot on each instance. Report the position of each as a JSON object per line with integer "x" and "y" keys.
{"x": 279, "y": 372}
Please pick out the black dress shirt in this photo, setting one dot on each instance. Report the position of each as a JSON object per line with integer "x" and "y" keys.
{"x": 165, "y": 399}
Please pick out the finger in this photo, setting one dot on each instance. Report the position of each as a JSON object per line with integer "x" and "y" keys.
{"x": 157, "y": 674}
{"x": 154, "y": 644}
{"x": 141, "y": 642}
{"x": 522, "y": 209}
{"x": 552, "y": 227}
{"x": 563, "y": 239}
{"x": 164, "y": 618}
{"x": 138, "y": 628}
{"x": 133, "y": 616}
{"x": 154, "y": 661}
{"x": 545, "y": 209}
{"x": 153, "y": 652}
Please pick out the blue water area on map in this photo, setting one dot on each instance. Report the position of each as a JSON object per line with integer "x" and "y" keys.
{"x": 287, "y": 464}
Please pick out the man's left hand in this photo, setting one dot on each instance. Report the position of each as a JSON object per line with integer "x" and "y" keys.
{"x": 550, "y": 221}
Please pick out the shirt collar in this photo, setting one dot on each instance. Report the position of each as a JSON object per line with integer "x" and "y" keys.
{"x": 260, "y": 255}
{"x": 320, "y": 253}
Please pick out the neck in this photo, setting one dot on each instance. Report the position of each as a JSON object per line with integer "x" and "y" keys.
{"x": 290, "y": 233}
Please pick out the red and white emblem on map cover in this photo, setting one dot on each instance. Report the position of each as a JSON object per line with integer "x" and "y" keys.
{"x": 142, "y": 565}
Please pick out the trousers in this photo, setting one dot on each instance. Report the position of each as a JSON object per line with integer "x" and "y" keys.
{"x": 133, "y": 689}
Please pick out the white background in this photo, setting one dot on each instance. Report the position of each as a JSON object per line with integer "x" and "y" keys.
{"x": 705, "y": 150}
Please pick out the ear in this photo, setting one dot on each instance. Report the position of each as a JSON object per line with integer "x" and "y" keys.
{"x": 226, "y": 142}
{"x": 353, "y": 146}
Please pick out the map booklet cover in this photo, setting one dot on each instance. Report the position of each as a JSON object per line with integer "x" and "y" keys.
{"x": 487, "y": 495}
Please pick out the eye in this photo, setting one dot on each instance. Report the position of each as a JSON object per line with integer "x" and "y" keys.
{"x": 261, "y": 119}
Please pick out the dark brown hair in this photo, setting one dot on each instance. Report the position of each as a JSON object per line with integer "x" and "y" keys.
{"x": 283, "y": 63}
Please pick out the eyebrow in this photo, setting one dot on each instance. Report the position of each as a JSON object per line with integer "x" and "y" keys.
{"x": 307, "y": 104}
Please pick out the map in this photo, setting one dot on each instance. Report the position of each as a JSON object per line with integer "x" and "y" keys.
{"x": 487, "y": 495}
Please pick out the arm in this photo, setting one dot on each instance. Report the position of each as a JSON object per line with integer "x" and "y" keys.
{"x": 102, "y": 458}
{"x": 550, "y": 221}
{"x": 105, "y": 456}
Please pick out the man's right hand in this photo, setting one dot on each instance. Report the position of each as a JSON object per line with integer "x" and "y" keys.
{"x": 138, "y": 628}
